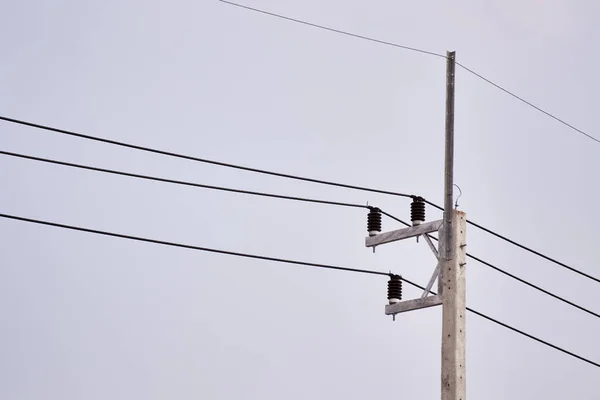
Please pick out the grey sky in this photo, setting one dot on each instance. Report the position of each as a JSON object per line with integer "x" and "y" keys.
{"x": 87, "y": 317}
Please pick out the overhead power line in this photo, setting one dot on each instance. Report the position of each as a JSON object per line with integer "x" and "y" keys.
{"x": 531, "y": 285}
{"x": 512, "y": 328}
{"x": 498, "y": 269}
{"x": 415, "y": 49}
{"x": 178, "y": 182}
{"x": 529, "y": 249}
{"x": 554, "y": 117}
{"x": 191, "y": 247}
{"x": 283, "y": 175}
{"x": 202, "y": 160}
{"x": 277, "y": 196}
{"x": 280, "y": 260}
{"x": 258, "y": 10}
{"x": 466, "y": 69}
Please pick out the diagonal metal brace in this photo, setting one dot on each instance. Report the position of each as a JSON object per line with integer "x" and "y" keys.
{"x": 431, "y": 246}
{"x": 436, "y": 271}
{"x": 434, "y": 276}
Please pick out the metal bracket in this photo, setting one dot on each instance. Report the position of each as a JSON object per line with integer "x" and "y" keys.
{"x": 400, "y": 234}
{"x": 405, "y": 233}
{"x": 415, "y": 304}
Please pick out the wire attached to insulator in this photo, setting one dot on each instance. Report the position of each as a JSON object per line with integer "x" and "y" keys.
{"x": 456, "y": 203}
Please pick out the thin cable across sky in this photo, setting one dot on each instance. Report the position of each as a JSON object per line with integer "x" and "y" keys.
{"x": 283, "y": 197}
{"x": 280, "y": 260}
{"x": 178, "y": 182}
{"x": 198, "y": 159}
{"x": 417, "y": 50}
{"x": 284, "y": 175}
{"x": 191, "y": 247}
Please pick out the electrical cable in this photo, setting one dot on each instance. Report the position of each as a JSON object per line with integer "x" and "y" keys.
{"x": 202, "y": 160}
{"x": 186, "y": 246}
{"x": 523, "y": 281}
{"x": 177, "y": 182}
{"x": 431, "y": 53}
{"x": 281, "y": 260}
{"x": 283, "y": 175}
{"x": 542, "y": 341}
{"x": 334, "y": 30}
{"x": 537, "y": 253}
{"x": 475, "y": 74}
{"x": 319, "y": 201}
{"x": 509, "y": 274}
{"x": 470, "y": 71}
{"x": 554, "y": 117}
{"x": 271, "y": 195}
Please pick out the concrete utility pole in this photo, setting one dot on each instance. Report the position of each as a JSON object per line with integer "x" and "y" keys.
{"x": 453, "y": 272}
{"x": 450, "y": 268}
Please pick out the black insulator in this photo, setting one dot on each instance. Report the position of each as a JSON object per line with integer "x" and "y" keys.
{"x": 395, "y": 288}
{"x": 417, "y": 211}
{"x": 374, "y": 221}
